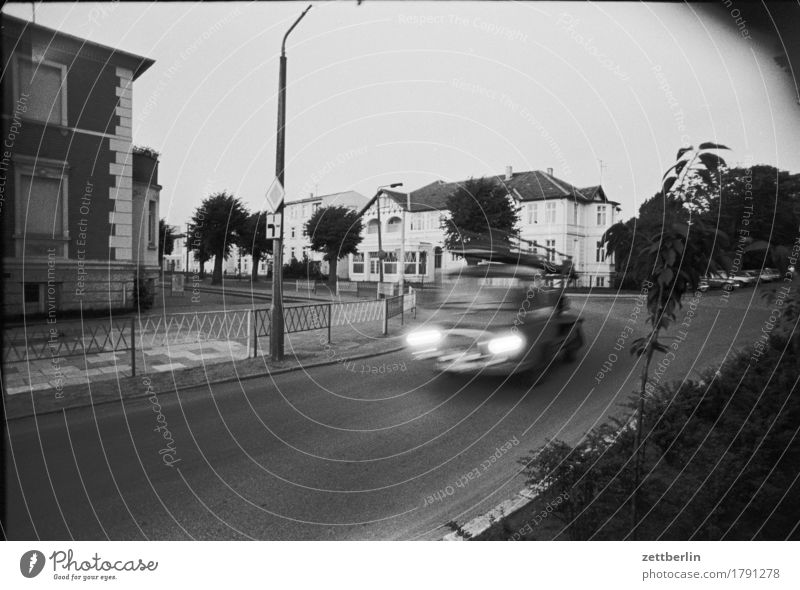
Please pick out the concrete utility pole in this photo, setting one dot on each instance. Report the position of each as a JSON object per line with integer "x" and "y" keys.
{"x": 276, "y": 332}
{"x": 376, "y": 200}
{"x": 406, "y": 211}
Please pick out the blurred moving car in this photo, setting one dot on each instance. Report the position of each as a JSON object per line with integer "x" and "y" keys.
{"x": 501, "y": 320}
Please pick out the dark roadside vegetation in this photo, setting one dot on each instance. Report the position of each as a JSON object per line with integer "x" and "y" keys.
{"x": 721, "y": 461}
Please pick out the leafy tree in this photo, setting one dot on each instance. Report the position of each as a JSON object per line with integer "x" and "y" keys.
{"x": 675, "y": 256}
{"x": 253, "y": 240}
{"x": 166, "y": 242}
{"x": 201, "y": 255}
{"x": 479, "y": 208}
{"x": 336, "y": 232}
{"x": 765, "y": 202}
{"x": 216, "y": 226}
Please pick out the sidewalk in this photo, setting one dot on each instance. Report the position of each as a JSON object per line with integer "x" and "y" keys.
{"x": 32, "y": 387}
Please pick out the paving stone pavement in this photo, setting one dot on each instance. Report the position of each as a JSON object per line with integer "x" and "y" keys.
{"x": 34, "y": 387}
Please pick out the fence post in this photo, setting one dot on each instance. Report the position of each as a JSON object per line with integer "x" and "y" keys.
{"x": 255, "y": 332}
{"x": 330, "y": 321}
{"x": 133, "y": 347}
{"x": 385, "y": 316}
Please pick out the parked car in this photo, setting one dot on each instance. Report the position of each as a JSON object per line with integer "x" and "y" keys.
{"x": 745, "y": 277}
{"x": 768, "y": 275}
{"x": 717, "y": 280}
{"x": 503, "y": 320}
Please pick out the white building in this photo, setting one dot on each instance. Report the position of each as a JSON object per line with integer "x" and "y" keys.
{"x": 553, "y": 213}
{"x": 297, "y": 213}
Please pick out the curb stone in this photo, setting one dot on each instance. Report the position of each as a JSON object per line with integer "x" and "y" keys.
{"x": 213, "y": 381}
{"x": 481, "y": 523}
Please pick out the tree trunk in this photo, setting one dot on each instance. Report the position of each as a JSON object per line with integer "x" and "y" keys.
{"x": 637, "y": 469}
{"x": 332, "y": 263}
{"x": 216, "y": 278}
{"x": 202, "y": 269}
{"x": 254, "y": 273}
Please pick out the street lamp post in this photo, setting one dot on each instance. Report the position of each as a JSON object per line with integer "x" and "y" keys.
{"x": 276, "y": 331}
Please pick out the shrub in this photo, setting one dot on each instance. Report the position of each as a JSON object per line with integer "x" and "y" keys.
{"x": 720, "y": 462}
{"x": 143, "y": 293}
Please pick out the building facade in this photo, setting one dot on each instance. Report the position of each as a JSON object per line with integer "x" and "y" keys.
{"x": 75, "y": 212}
{"x": 297, "y": 213}
{"x": 553, "y": 213}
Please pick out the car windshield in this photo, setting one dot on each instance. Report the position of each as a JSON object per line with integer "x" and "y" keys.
{"x": 497, "y": 292}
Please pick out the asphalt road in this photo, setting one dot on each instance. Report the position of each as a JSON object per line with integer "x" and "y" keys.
{"x": 336, "y": 452}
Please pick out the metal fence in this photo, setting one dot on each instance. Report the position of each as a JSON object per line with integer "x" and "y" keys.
{"x": 40, "y": 341}
{"x": 181, "y": 328}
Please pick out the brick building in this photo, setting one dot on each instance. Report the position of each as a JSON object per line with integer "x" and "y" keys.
{"x": 79, "y": 212}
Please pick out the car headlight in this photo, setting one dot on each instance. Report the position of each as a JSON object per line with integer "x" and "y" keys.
{"x": 424, "y": 338}
{"x": 504, "y": 344}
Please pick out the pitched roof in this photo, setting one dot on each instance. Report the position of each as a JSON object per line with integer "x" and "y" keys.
{"x": 596, "y": 193}
{"x": 61, "y": 42}
{"x": 533, "y": 185}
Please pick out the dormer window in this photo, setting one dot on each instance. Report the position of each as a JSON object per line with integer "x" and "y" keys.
{"x": 393, "y": 226}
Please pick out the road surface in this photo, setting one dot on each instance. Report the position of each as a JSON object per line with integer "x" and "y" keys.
{"x": 382, "y": 449}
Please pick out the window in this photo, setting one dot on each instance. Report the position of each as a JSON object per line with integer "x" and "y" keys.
{"x": 373, "y": 263}
{"x": 601, "y": 215}
{"x": 416, "y": 263}
{"x": 315, "y": 206}
{"x": 358, "y": 263}
{"x": 390, "y": 264}
{"x": 393, "y": 226}
{"x": 437, "y": 257}
{"x": 551, "y": 245}
{"x": 600, "y": 254}
{"x": 45, "y": 83}
{"x": 293, "y": 250}
{"x": 575, "y": 213}
{"x": 305, "y": 211}
{"x": 41, "y": 211}
{"x": 32, "y": 293}
{"x": 601, "y": 282}
{"x": 533, "y": 213}
{"x": 152, "y": 223}
{"x": 410, "y": 267}
{"x": 293, "y": 232}
{"x": 372, "y": 226}
{"x": 550, "y": 212}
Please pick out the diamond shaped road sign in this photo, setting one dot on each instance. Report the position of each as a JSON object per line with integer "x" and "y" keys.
{"x": 275, "y": 195}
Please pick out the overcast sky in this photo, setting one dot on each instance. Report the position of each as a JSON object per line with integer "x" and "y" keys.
{"x": 413, "y": 92}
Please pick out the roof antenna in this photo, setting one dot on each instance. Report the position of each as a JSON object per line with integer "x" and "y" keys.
{"x": 602, "y": 167}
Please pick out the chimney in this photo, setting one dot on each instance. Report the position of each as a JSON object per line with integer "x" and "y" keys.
{"x": 550, "y": 171}
{"x": 508, "y": 172}
{"x": 310, "y": 195}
